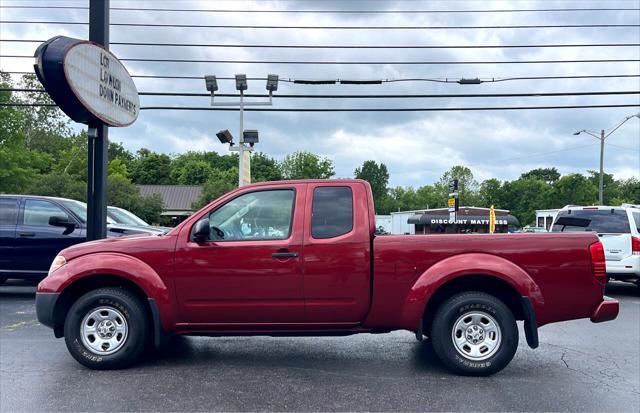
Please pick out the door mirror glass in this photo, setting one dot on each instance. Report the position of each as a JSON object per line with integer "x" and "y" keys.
{"x": 58, "y": 221}
{"x": 200, "y": 232}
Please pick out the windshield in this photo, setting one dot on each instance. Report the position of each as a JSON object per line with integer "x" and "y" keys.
{"x": 80, "y": 210}
{"x": 122, "y": 216}
{"x": 602, "y": 221}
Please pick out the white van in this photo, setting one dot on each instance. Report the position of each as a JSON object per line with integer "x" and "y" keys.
{"x": 619, "y": 230}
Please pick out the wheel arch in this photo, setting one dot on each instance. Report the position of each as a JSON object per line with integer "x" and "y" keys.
{"x": 473, "y": 272}
{"x": 473, "y": 282}
{"x": 90, "y": 272}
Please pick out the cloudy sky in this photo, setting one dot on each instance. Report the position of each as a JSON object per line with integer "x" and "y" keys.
{"x": 417, "y": 147}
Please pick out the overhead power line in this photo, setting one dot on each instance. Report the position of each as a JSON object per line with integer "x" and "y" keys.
{"x": 622, "y": 147}
{"x": 370, "y": 81}
{"x": 314, "y": 46}
{"x": 370, "y": 96}
{"x": 446, "y": 109}
{"x": 527, "y": 156}
{"x": 337, "y": 62}
{"x": 232, "y": 26}
{"x": 423, "y": 11}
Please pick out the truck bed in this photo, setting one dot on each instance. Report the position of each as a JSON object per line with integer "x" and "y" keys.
{"x": 553, "y": 269}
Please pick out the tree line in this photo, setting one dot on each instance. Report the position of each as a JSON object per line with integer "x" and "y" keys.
{"x": 40, "y": 154}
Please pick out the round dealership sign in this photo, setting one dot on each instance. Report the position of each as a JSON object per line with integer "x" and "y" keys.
{"x": 87, "y": 81}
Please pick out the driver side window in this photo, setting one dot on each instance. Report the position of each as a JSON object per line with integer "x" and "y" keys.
{"x": 262, "y": 215}
{"x": 38, "y": 212}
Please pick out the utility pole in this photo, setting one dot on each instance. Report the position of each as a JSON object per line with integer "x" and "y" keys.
{"x": 98, "y": 136}
{"x": 601, "y": 184}
{"x": 603, "y": 135}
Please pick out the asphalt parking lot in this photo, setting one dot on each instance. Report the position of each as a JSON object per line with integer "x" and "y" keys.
{"x": 579, "y": 366}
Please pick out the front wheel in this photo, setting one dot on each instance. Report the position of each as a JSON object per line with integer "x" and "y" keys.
{"x": 106, "y": 328}
{"x": 474, "y": 334}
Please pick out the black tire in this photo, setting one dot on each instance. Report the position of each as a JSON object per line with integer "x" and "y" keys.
{"x": 486, "y": 308}
{"x": 2, "y": 280}
{"x": 116, "y": 301}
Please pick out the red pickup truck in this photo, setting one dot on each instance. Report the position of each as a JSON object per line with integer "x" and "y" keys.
{"x": 300, "y": 258}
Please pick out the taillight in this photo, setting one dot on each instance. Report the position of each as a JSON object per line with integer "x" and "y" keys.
{"x": 635, "y": 245}
{"x": 598, "y": 263}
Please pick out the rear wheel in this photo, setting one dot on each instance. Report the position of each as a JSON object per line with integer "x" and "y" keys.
{"x": 107, "y": 328}
{"x": 474, "y": 333}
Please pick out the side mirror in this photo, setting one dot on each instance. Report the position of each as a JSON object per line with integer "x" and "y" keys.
{"x": 200, "y": 232}
{"x": 57, "y": 221}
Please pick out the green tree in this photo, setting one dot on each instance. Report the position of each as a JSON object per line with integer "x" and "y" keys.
{"x": 151, "y": 168}
{"x": 491, "y": 193}
{"x": 71, "y": 157}
{"x": 523, "y": 196}
{"x": 191, "y": 172}
{"x": 548, "y": 175}
{"x": 574, "y": 189}
{"x": 123, "y": 194}
{"x": 219, "y": 183}
{"x": 378, "y": 178}
{"x": 306, "y": 165}
{"x": 44, "y": 127}
{"x": 629, "y": 191}
{"x": 117, "y": 167}
{"x": 467, "y": 185}
{"x": 117, "y": 151}
{"x": 611, "y": 187}
{"x": 264, "y": 168}
{"x": 58, "y": 184}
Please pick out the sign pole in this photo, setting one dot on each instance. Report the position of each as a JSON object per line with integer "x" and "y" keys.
{"x": 98, "y": 134}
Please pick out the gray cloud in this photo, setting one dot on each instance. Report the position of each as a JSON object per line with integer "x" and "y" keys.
{"x": 417, "y": 147}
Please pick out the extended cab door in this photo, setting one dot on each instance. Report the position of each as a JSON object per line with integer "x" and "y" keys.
{"x": 249, "y": 270}
{"x": 337, "y": 253}
{"x": 38, "y": 242}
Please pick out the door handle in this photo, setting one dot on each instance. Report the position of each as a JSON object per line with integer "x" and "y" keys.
{"x": 284, "y": 254}
{"x": 27, "y": 234}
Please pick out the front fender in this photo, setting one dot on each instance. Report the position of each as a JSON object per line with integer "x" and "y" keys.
{"x": 119, "y": 265}
{"x": 460, "y": 265}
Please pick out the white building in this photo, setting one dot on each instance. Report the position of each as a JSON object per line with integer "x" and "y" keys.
{"x": 545, "y": 217}
{"x": 384, "y": 221}
{"x": 400, "y": 224}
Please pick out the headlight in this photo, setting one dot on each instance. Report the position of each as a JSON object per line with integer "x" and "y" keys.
{"x": 58, "y": 262}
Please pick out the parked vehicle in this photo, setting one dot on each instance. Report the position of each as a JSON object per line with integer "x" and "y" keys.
{"x": 33, "y": 229}
{"x": 618, "y": 229}
{"x": 125, "y": 217}
{"x": 540, "y": 230}
{"x": 301, "y": 258}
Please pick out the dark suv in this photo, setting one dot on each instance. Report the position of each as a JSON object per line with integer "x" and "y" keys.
{"x": 33, "y": 229}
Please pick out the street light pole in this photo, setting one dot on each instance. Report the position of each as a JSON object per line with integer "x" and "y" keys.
{"x": 602, "y": 137}
{"x": 241, "y": 142}
{"x": 244, "y": 165}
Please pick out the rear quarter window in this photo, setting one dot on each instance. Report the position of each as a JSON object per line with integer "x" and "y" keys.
{"x": 636, "y": 218}
{"x": 8, "y": 211}
{"x": 332, "y": 211}
{"x": 604, "y": 221}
